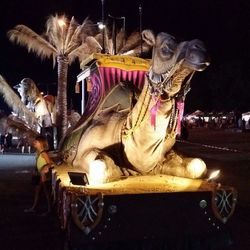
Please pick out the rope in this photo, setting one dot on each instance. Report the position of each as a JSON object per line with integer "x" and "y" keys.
{"x": 156, "y": 88}
{"x": 182, "y": 94}
{"x": 156, "y": 91}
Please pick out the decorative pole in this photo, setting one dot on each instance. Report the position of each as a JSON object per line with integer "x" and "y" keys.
{"x": 103, "y": 34}
{"x": 124, "y": 28}
{"x": 140, "y": 15}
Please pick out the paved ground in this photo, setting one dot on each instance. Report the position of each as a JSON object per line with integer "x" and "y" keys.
{"x": 19, "y": 230}
{"x": 228, "y": 151}
{"x": 10, "y": 160}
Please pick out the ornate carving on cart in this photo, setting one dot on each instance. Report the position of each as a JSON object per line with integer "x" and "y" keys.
{"x": 223, "y": 203}
{"x": 87, "y": 211}
{"x": 66, "y": 201}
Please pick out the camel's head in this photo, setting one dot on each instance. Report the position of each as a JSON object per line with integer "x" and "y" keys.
{"x": 171, "y": 60}
{"x": 164, "y": 49}
{"x": 27, "y": 90}
{"x": 194, "y": 55}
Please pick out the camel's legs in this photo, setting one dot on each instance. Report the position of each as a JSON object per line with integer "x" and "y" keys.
{"x": 176, "y": 165}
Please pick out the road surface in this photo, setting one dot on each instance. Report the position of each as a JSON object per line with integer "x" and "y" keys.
{"x": 228, "y": 151}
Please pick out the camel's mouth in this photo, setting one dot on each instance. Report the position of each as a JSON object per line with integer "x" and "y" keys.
{"x": 156, "y": 79}
{"x": 159, "y": 82}
{"x": 197, "y": 66}
{"x": 196, "y": 57}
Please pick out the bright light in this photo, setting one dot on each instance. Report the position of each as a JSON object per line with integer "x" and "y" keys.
{"x": 101, "y": 26}
{"x": 61, "y": 22}
{"x": 196, "y": 168}
{"x": 214, "y": 175}
{"x": 97, "y": 172}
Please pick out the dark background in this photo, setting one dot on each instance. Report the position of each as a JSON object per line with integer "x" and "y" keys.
{"x": 223, "y": 26}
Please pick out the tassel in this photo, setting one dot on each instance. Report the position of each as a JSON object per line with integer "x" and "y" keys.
{"x": 89, "y": 85}
{"x": 77, "y": 88}
{"x": 153, "y": 113}
{"x": 180, "y": 107}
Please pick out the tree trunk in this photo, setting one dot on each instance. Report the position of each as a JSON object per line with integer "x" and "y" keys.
{"x": 61, "y": 111}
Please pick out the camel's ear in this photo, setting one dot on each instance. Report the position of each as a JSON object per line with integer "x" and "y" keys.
{"x": 149, "y": 37}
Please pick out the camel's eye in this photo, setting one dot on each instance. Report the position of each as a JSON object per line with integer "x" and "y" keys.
{"x": 165, "y": 49}
{"x": 168, "y": 47}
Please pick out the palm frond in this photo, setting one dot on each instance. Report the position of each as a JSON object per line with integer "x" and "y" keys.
{"x": 132, "y": 41}
{"x": 15, "y": 103}
{"x": 93, "y": 44}
{"x": 138, "y": 50}
{"x": 74, "y": 41}
{"x": 129, "y": 46}
{"x": 90, "y": 46}
{"x": 88, "y": 28}
{"x": 80, "y": 52}
{"x": 70, "y": 32}
{"x": 56, "y": 28}
{"x": 24, "y": 36}
{"x": 98, "y": 38}
{"x": 78, "y": 37}
{"x": 108, "y": 45}
{"x": 120, "y": 40}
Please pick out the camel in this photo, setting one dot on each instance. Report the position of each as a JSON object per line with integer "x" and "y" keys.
{"x": 42, "y": 106}
{"x": 139, "y": 141}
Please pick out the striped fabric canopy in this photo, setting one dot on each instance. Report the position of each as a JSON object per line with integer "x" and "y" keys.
{"x": 110, "y": 71}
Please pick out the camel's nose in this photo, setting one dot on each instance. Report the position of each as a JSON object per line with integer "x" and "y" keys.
{"x": 197, "y": 55}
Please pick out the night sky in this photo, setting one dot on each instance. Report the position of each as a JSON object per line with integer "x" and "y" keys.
{"x": 221, "y": 24}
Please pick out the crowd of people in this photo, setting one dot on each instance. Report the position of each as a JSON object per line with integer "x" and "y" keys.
{"x": 8, "y": 143}
{"x": 218, "y": 122}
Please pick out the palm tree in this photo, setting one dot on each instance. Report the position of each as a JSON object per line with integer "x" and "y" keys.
{"x": 62, "y": 42}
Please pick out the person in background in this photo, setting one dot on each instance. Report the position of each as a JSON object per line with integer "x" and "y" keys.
{"x": 23, "y": 143}
{"x": 2, "y": 142}
{"x": 42, "y": 177}
{"x": 8, "y": 140}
